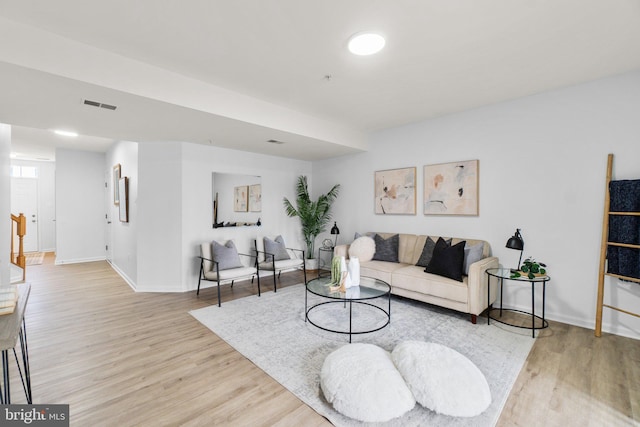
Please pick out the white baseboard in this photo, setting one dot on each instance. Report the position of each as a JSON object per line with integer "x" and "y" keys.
{"x": 78, "y": 260}
{"x": 583, "y": 323}
{"x": 122, "y": 274}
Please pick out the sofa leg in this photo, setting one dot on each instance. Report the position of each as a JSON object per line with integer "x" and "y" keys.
{"x": 474, "y": 319}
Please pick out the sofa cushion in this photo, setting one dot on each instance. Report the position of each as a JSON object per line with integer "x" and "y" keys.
{"x": 427, "y": 251}
{"x": 363, "y": 248}
{"x": 381, "y": 270}
{"x": 386, "y": 249}
{"x": 413, "y": 278}
{"x": 472, "y": 253}
{"x": 277, "y": 248}
{"x": 447, "y": 261}
{"x": 226, "y": 255}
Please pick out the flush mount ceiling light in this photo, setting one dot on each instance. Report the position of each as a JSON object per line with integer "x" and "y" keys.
{"x": 366, "y": 43}
{"x": 65, "y": 133}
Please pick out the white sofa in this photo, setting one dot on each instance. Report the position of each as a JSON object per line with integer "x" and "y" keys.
{"x": 410, "y": 281}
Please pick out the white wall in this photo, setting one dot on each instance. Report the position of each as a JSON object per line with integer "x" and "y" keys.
{"x": 542, "y": 169}
{"x": 5, "y": 202}
{"x": 171, "y": 209}
{"x": 122, "y": 236}
{"x": 278, "y": 180}
{"x": 46, "y": 202}
{"x": 80, "y": 206}
{"x": 159, "y": 219}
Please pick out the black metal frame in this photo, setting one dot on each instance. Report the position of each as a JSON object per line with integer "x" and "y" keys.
{"x": 534, "y": 316}
{"x": 273, "y": 263}
{"x": 24, "y": 371}
{"x": 351, "y": 301}
{"x": 201, "y": 276}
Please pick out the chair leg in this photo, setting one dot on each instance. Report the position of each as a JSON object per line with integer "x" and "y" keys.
{"x": 232, "y": 284}
{"x": 199, "y": 279}
{"x": 219, "y": 302}
{"x": 258, "y": 276}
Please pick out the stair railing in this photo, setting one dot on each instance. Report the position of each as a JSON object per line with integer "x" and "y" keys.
{"x": 18, "y": 231}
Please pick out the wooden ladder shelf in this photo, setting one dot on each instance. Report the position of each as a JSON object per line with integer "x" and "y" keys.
{"x": 603, "y": 253}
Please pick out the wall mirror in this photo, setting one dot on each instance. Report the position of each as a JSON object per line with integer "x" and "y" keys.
{"x": 236, "y": 200}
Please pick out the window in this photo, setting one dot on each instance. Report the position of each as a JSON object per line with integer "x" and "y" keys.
{"x": 24, "y": 171}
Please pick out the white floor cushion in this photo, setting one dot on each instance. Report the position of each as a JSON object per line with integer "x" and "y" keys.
{"x": 442, "y": 379}
{"x": 361, "y": 382}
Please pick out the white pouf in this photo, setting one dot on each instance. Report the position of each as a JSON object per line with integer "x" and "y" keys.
{"x": 442, "y": 379}
{"x": 361, "y": 382}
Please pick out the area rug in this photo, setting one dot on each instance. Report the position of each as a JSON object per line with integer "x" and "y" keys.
{"x": 271, "y": 332}
{"x": 34, "y": 258}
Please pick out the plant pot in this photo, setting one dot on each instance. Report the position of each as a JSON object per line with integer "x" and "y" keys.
{"x": 311, "y": 264}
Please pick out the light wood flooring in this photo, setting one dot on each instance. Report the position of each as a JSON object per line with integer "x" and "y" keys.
{"x": 139, "y": 359}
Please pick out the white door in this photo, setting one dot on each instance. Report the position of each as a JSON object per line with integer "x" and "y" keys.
{"x": 24, "y": 199}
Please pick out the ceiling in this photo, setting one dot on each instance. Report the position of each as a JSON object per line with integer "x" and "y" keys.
{"x": 441, "y": 57}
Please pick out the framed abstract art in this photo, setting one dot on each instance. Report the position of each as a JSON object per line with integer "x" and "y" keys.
{"x": 451, "y": 188}
{"x": 395, "y": 191}
{"x": 240, "y": 198}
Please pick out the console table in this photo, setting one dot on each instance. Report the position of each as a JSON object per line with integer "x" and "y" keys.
{"x": 12, "y": 329}
{"x": 503, "y": 274}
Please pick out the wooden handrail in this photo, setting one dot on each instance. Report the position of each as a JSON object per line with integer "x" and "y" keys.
{"x": 19, "y": 230}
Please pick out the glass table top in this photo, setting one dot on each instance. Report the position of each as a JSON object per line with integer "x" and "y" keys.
{"x": 369, "y": 288}
{"x": 505, "y": 273}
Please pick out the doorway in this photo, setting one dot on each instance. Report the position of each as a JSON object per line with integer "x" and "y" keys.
{"x": 24, "y": 199}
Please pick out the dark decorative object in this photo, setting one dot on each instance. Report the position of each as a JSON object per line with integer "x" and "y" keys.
{"x": 532, "y": 268}
{"x": 335, "y": 230}
{"x": 516, "y": 242}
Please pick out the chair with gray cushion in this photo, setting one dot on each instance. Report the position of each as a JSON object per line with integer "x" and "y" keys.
{"x": 273, "y": 255}
{"x": 222, "y": 264}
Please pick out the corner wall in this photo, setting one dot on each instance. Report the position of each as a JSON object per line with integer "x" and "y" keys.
{"x": 278, "y": 180}
{"x": 542, "y": 169}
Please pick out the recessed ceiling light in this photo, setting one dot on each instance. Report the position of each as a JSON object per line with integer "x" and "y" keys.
{"x": 65, "y": 133}
{"x": 366, "y": 43}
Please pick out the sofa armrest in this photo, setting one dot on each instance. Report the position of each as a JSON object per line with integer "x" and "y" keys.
{"x": 341, "y": 250}
{"x": 478, "y": 282}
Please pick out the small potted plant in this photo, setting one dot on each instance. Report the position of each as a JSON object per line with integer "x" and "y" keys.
{"x": 531, "y": 268}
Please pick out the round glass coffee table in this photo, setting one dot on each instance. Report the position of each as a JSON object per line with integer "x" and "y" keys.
{"x": 369, "y": 289}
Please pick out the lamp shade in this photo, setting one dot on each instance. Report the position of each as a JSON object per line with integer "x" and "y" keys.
{"x": 335, "y": 229}
{"x": 516, "y": 241}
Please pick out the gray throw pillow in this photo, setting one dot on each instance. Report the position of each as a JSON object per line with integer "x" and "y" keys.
{"x": 427, "y": 251}
{"x": 368, "y": 234}
{"x": 386, "y": 249}
{"x": 472, "y": 254}
{"x": 225, "y": 255}
{"x": 277, "y": 248}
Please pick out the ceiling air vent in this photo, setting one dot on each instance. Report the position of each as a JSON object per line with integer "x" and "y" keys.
{"x": 99, "y": 104}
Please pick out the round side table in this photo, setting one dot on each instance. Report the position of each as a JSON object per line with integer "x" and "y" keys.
{"x": 503, "y": 274}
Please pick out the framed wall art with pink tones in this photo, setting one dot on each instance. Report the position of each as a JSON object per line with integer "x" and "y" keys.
{"x": 451, "y": 188}
{"x": 395, "y": 191}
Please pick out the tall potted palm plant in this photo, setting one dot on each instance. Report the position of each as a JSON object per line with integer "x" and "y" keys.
{"x": 314, "y": 216}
